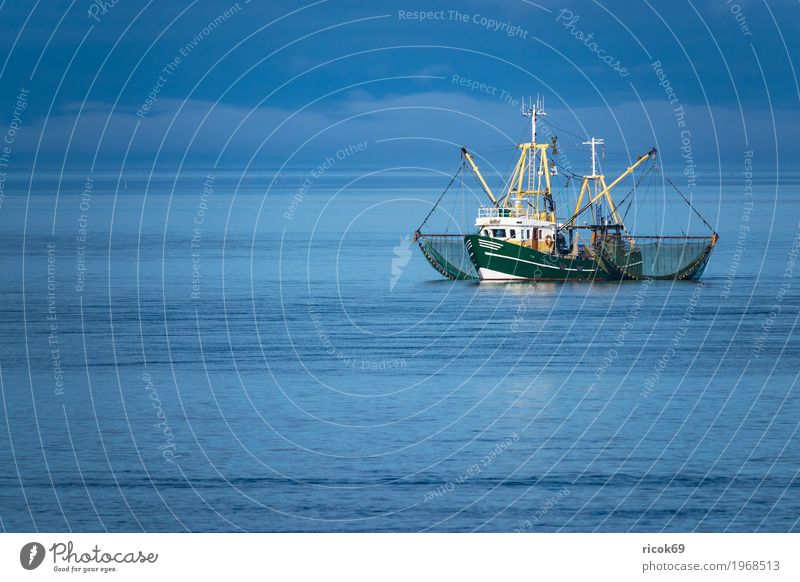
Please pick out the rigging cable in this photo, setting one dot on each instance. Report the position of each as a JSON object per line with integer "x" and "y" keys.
{"x": 453, "y": 179}
{"x": 560, "y": 129}
{"x": 635, "y": 186}
{"x": 452, "y": 212}
{"x": 687, "y": 202}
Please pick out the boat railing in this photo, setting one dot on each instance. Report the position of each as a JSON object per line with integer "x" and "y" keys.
{"x": 491, "y": 212}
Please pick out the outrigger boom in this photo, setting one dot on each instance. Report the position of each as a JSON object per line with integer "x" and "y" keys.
{"x": 477, "y": 172}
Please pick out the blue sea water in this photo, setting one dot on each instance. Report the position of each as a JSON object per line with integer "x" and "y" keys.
{"x": 253, "y": 359}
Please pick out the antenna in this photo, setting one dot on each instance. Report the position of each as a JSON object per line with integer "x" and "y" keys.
{"x": 594, "y": 142}
{"x": 533, "y": 111}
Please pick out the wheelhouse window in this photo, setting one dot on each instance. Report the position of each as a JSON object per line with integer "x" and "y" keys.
{"x": 499, "y": 232}
{"x": 513, "y": 233}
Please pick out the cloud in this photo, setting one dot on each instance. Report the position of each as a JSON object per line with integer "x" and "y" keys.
{"x": 430, "y": 123}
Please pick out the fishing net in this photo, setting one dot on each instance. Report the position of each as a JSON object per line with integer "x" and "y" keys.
{"x": 654, "y": 257}
{"x": 628, "y": 256}
{"x": 445, "y": 250}
{"x": 447, "y": 254}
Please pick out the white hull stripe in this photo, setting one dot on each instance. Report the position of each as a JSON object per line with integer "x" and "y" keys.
{"x": 488, "y": 245}
{"x": 488, "y": 275}
{"x": 539, "y": 264}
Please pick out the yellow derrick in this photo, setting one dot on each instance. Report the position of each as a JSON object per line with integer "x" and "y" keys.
{"x": 477, "y": 173}
{"x": 604, "y": 191}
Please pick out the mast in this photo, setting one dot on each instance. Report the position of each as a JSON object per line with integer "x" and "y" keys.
{"x": 531, "y": 177}
{"x": 593, "y": 143}
{"x": 533, "y": 111}
{"x": 605, "y": 190}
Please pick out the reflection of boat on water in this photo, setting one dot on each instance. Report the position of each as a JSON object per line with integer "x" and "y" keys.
{"x": 519, "y": 236}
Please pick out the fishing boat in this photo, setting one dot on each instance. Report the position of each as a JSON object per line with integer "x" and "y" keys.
{"x": 519, "y": 237}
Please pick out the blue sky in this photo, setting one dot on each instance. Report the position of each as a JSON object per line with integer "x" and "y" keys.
{"x": 289, "y": 84}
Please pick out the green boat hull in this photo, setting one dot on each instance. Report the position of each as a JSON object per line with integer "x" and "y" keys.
{"x": 497, "y": 260}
